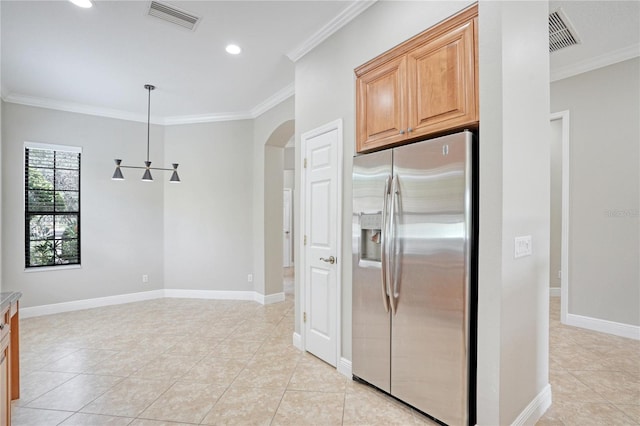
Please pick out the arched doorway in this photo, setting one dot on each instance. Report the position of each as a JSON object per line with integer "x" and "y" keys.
{"x": 274, "y": 150}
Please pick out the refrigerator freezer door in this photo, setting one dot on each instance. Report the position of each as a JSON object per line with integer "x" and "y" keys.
{"x": 430, "y": 338}
{"x": 371, "y": 322}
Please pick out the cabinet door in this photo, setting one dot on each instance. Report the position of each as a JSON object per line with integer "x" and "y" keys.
{"x": 442, "y": 83}
{"x": 5, "y": 398}
{"x": 380, "y": 105}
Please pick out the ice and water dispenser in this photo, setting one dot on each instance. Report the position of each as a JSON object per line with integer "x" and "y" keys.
{"x": 371, "y": 238}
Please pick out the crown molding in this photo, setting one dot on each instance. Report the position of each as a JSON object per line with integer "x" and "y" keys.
{"x": 346, "y": 16}
{"x": 264, "y": 106}
{"x": 275, "y": 99}
{"x": 591, "y": 64}
{"x": 78, "y": 108}
{"x": 206, "y": 118}
{"x": 278, "y": 97}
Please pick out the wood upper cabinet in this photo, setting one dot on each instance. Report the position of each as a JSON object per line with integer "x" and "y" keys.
{"x": 425, "y": 86}
{"x": 442, "y": 83}
{"x": 382, "y": 117}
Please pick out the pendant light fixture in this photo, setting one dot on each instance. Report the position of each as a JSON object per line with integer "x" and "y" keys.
{"x": 146, "y": 177}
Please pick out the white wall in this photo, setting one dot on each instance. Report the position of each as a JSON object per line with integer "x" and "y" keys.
{"x": 121, "y": 221}
{"x": 208, "y": 232}
{"x": 201, "y": 234}
{"x": 273, "y": 128}
{"x": 604, "y": 239}
{"x": 289, "y": 182}
{"x": 197, "y": 235}
{"x": 288, "y": 177}
{"x": 273, "y": 184}
{"x": 514, "y": 193}
{"x": 290, "y": 157}
{"x": 556, "y": 204}
{"x": 1, "y": 104}
{"x": 514, "y": 201}
{"x": 1, "y": 191}
{"x": 1, "y": 274}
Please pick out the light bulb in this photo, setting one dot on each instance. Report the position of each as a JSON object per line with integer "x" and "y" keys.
{"x": 85, "y": 4}
{"x": 233, "y": 49}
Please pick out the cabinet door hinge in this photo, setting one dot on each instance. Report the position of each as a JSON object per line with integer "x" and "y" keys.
{"x": 305, "y": 163}
{"x": 305, "y": 240}
{"x": 304, "y": 317}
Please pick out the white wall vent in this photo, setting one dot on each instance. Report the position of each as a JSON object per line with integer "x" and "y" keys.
{"x": 561, "y": 32}
{"x": 174, "y": 15}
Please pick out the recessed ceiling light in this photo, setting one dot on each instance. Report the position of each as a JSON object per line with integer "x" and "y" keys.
{"x": 233, "y": 49}
{"x": 82, "y": 3}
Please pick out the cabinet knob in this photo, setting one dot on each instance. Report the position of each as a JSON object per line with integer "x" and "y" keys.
{"x": 402, "y": 132}
{"x": 409, "y": 130}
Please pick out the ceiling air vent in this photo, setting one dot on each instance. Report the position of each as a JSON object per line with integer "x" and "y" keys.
{"x": 561, "y": 32}
{"x": 174, "y": 15}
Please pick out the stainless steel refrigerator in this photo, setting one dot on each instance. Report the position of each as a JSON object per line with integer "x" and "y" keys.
{"x": 414, "y": 275}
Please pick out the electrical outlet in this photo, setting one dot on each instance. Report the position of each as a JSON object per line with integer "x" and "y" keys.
{"x": 250, "y": 278}
{"x": 522, "y": 246}
{"x": 145, "y": 278}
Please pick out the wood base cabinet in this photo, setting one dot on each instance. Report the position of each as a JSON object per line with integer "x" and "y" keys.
{"x": 9, "y": 354}
{"x": 425, "y": 86}
{"x": 5, "y": 373}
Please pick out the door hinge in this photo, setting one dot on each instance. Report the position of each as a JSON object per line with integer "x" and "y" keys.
{"x": 305, "y": 163}
{"x": 305, "y": 240}
{"x": 304, "y": 317}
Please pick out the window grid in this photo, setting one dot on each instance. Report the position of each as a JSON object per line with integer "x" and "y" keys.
{"x": 59, "y": 243}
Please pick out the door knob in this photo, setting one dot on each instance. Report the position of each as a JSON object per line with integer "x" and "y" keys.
{"x": 330, "y": 260}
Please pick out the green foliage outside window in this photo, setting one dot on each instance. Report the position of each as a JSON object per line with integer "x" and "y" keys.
{"x": 52, "y": 206}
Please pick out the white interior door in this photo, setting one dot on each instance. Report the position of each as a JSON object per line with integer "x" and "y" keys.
{"x": 322, "y": 149}
{"x": 286, "y": 228}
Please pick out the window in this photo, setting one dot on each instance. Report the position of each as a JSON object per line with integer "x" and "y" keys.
{"x": 52, "y": 205}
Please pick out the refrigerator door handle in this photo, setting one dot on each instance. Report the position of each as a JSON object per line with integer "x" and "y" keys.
{"x": 391, "y": 255}
{"x": 383, "y": 242}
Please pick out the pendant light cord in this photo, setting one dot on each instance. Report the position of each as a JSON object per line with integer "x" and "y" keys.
{"x": 148, "y": 119}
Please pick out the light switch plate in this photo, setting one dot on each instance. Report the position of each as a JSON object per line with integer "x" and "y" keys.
{"x": 522, "y": 246}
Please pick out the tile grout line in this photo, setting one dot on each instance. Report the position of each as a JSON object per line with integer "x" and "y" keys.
{"x": 284, "y": 392}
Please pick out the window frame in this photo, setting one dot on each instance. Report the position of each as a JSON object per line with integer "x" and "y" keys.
{"x": 28, "y": 213}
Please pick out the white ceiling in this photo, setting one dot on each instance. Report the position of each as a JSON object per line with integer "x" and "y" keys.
{"x": 98, "y": 60}
{"x": 609, "y": 30}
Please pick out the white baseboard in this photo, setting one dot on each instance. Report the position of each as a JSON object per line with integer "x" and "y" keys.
{"x": 210, "y": 294}
{"x": 226, "y": 295}
{"x": 344, "y": 367}
{"x": 554, "y": 291}
{"x": 269, "y": 298}
{"x": 604, "y": 326}
{"x": 297, "y": 341}
{"x": 77, "y": 305}
{"x": 536, "y": 408}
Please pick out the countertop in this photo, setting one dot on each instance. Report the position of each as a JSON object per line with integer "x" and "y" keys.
{"x": 7, "y": 298}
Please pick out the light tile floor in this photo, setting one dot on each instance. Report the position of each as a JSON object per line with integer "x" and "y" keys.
{"x": 595, "y": 377}
{"x": 181, "y": 361}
